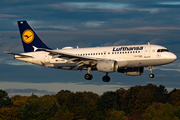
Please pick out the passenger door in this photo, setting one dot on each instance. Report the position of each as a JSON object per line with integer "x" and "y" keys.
{"x": 147, "y": 52}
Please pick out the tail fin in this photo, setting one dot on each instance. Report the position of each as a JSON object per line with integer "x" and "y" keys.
{"x": 29, "y": 38}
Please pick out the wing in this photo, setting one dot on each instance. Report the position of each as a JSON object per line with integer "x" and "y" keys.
{"x": 80, "y": 60}
{"x": 24, "y": 56}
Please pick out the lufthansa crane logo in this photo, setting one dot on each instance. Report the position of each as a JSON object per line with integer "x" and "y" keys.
{"x": 28, "y": 36}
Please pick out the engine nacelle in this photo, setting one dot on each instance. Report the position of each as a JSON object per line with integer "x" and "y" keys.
{"x": 135, "y": 71}
{"x": 107, "y": 66}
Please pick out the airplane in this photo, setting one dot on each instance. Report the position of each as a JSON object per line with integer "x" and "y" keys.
{"x": 129, "y": 59}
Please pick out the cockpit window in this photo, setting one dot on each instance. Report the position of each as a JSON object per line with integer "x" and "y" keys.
{"x": 162, "y": 50}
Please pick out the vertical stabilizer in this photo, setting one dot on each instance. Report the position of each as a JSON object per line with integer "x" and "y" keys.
{"x": 30, "y": 39}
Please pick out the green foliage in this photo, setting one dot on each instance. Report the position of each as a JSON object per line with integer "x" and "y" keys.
{"x": 61, "y": 96}
{"x": 175, "y": 98}
{"x": 81, "y": 104}
{"x": 115, "y": 115}
{"x": 64, "y": 115}
{"x": 135, "y": 115}
{"x": 38, "y": 108}
{"x": 148, "y": 102}
{"x": 137, "y": 98}
{"x": 107, "y": 101}
{"x": 4, "y": 99}
{"x": 8, "y": 114}
{"x": 160, "y": 111}
{"x": 177, "y": 112}
{"x": 19, "y": 100}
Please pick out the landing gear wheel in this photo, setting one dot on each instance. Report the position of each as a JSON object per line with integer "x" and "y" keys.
{"x": 88, "y": 76}
{"x": 106, "y": 78}
{"x": 151, "y": 75}
{"x": 150, "y": 70}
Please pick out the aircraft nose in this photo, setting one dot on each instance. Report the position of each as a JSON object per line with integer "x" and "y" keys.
{"x": 173, "y": 57}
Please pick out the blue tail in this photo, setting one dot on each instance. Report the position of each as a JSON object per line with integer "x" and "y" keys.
{"x": 29, "y": 38}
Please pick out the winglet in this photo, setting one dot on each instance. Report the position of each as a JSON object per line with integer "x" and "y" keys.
{"x": 35, "y": 48}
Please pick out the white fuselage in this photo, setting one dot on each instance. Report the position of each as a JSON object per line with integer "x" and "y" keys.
{"x": 126, "y": 56}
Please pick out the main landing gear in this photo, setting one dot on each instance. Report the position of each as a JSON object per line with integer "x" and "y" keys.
{"x": 106, "y": 78}
{"x": 151, "y": 75}
{"x": 88, "y": 76}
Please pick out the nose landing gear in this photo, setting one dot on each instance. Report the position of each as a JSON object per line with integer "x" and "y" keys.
{"x": 151, "y": 75}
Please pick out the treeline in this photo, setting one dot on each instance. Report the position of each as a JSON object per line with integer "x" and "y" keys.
{"x": 148, "y": 102}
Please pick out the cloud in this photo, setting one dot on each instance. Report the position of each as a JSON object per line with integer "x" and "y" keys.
{"x": 28, "y": 91}
{"x": 7, "y": 16}
{"x": 15, "y": 62}
{"x": 118, "y": 43}
{"x": 94, "y": 23}
{"x": 63, "y": 27}
{"x": 87, "y": 23}
{"x": 170, "y": 67}
{"x": 14, "y": 88}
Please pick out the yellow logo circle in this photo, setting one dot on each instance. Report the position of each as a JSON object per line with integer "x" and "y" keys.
{"x": 28, "y": 36}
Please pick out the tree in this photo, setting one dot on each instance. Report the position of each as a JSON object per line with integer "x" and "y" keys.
{"x": 8, "y": 114}
{"x": 175, "y": 98}
{"x": 64, "y": 115}
{"x": 160, "y": 111}
{"x": 81, "y": 104}
{"x": 135, "y": 115}
{"x": 39, "y": 108}
{"x": 19, "y": 100}
{"x": 107, "y": 101}
{"x": 4, "y": 99}
{"x": 161, "y": 94}
{"x": 177, "y": 112}
{"x": 115, "y": 115}
{"x": 136, "y": 98}
{"x": 61, "y": 96}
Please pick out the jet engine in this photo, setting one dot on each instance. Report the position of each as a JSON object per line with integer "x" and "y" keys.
{"x": 107, "y": 66}
{"x": 135, "y": 71}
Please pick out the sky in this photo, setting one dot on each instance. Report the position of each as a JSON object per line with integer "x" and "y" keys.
{"x": 87, "y": 23}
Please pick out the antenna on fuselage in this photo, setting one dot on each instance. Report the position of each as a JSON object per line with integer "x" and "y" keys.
{"x": 149, "y": 43}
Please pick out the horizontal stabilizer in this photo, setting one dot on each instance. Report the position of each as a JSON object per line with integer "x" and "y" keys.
{"x": 25, "y": 56}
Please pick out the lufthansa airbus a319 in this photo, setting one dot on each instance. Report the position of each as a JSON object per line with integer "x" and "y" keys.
{"x": 129, "y": 60}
